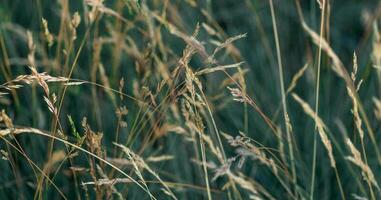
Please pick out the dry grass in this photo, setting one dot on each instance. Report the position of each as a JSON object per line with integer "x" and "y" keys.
{"x": 159, "y": 100}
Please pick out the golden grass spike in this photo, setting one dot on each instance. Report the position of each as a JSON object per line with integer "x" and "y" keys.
{"x": 357, "y": 160}
{"x": 160, "y": 158}
{"x": 223, "y": 45}
{"x": 137, "y": 161}
{"x": 218, "y": 68}
{"x": 377, "y": 110}
{"x": 296, "y": 78}
{"x": 320, "y": 125}
{"x": 48, "y": 35}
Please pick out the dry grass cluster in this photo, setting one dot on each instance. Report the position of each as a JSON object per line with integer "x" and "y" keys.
{"x": 159, "y": 100}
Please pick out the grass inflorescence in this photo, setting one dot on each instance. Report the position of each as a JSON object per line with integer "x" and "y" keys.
{"x": 190, "y": 99}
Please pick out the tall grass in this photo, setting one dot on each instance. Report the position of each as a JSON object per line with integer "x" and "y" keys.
{"x": 176, "y": 99}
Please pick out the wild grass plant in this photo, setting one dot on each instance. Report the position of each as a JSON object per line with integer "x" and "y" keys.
{"x": 187, "y": 99}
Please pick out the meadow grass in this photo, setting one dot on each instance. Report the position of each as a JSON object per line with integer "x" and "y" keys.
{"x": 188, "y": 99}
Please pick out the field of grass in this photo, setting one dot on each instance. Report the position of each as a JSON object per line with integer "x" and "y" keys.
{"x": 190, "y": 99}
